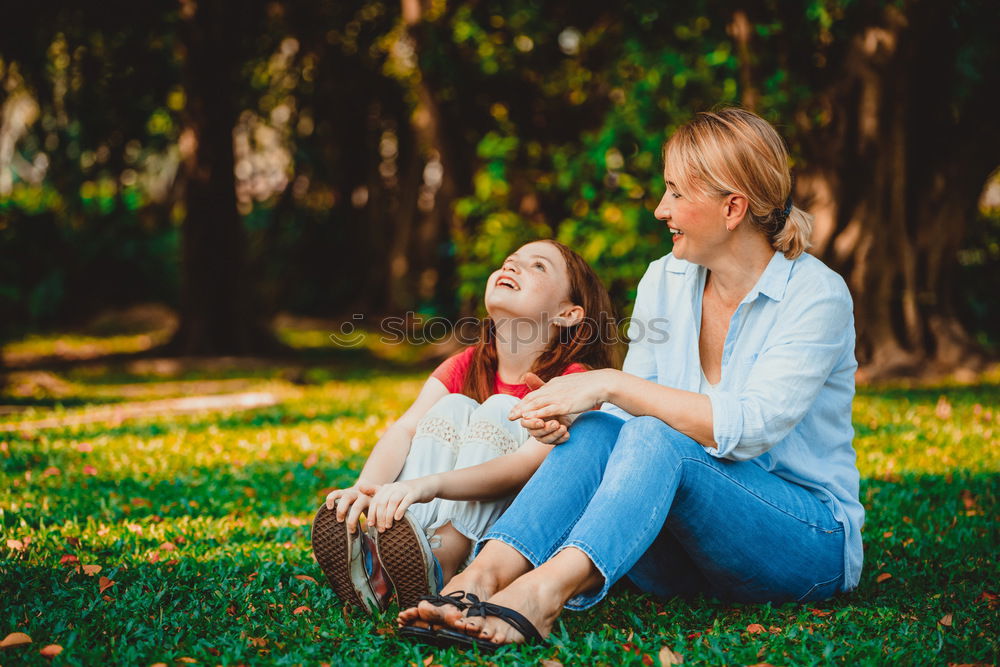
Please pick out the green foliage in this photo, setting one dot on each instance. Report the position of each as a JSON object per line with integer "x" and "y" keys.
{"x": 202, "y": 523}
{"x": 553, "y": 114}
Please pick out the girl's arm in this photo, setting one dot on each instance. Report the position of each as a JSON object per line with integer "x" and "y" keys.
{"x": 387, "y": 457}
{"x": 493, "y": 479}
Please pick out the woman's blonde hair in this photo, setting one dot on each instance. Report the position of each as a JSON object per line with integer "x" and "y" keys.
{"x": 737, "y": 151}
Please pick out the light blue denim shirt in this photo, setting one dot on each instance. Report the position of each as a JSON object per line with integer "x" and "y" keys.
{"x": 784, "y": 399}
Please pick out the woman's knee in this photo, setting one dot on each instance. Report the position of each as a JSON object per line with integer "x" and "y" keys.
{"x": 654, "y": 439}
{"x": 594, "y": 429}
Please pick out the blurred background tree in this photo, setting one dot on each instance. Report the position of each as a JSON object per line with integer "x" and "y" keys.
{"x": 234, "y": 161}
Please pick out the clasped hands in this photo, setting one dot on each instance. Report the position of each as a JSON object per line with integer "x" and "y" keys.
{"x": 547, "y": 412}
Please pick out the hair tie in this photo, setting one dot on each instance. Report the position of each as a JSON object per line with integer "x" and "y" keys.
{"x": 783, "y": 214}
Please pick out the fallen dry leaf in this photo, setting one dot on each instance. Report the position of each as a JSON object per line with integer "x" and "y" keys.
{"x": 670, "y": 657}
{"x": 550, "y": 663}
{"x": 946, "y": 620}
{"x": 301, "y": 610}
{"x": 84, "y": 447}
{"x": 168, "y": 546}
{"x": 821, "y": 612}
{"x": 68, "y": 559}
{"x": 187, "y": 660}
{"x": 883, "y": 577}
{"x": 16, "y": 545}
{"x": 428, "y": 660}
{"x": 774, "y": 630}
{"x": 15, "y": 639}
{"x": 51, "y": 650}
{"x": 159, "y": 664}
{"x": 104, "y": 584}
{"x": 305, "y": 577}
{"x": 647, "y": 660}
{"x": 89, "y": 470}
{"x": 259, "y": 642}
{"x": 51, "y": 471}
{"x": 755, "y": 628}
{"x": 91, "y": 570}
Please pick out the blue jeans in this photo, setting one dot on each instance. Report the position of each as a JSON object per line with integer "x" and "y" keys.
{"x": 644, "y": 500}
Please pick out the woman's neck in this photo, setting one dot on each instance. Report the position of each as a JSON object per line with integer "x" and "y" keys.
{"x": 736, "y": 269}
{"x": 519, "y": 342}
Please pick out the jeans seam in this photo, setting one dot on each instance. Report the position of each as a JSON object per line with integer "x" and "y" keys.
{"x": 514, "y": 544}
{"x": 820, "y": 584}
{"x": 566, "y": 533}
{"x": 839, "y": 528}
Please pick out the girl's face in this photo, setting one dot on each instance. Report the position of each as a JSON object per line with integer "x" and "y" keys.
{"x": 533, "y": 283}
{"x": 698, "y": 227}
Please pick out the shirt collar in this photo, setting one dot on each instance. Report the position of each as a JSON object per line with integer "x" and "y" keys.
{"x": 772, "y": 281}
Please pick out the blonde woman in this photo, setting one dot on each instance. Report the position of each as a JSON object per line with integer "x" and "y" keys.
{"x": 722, "y": 461}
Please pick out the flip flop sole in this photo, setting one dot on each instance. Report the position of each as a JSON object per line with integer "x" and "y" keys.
{"x": 332, "y": 546}
{"x": 427, "y": 636}
{"x": 404, "y": 553}
{"x": 455, "y": 639}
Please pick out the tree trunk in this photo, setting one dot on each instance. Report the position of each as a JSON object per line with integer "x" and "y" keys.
{"x": 436, "y": 221}
{"x": 216, "y": 314}
{"x": 892, "y": 177}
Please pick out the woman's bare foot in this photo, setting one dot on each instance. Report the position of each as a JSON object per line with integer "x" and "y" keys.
{"x": 496, "y": 566}
{"x": 530, "y": 595}
{"x": 538, "y": 595}
{"x": 479, "y": 583}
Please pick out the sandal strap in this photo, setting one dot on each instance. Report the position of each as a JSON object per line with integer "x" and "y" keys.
{"x": 510, "y": 616}
{"x": 456, "y": 599}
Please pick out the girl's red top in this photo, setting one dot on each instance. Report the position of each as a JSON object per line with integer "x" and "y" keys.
{"x": 453, "y": 370}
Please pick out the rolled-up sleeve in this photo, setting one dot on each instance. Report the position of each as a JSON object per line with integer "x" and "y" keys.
{"x": 788, "y": 374}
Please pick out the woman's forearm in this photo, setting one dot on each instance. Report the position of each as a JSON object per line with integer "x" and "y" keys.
{"x": 388, "y": 456}
{"x": 688, "y": 412}
{"x": 493, "y": 479}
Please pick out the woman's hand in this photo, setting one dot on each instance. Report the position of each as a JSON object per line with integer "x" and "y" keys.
{"x": 389, "y": 501}
{"x": 562, "y": 397}
{"x": 349, "y": 504}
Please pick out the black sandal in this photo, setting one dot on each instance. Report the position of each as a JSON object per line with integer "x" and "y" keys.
{"x": 432, "y": 635}
{"x": 510, "y": 616}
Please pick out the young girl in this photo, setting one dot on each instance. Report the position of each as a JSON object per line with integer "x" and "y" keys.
{"x": 445, "y": 471}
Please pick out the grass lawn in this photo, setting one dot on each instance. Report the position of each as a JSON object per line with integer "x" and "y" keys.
{"x": 184, "y": 538}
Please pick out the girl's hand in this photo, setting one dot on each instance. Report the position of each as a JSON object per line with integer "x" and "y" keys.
{"x": 563, "y": 396}
{"x": 389, "y": 501}
{"x": 349, "y": 504}
{"x": 548, "y": 432}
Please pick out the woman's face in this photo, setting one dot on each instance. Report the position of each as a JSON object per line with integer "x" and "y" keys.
{"x": 698, "y": 227}
{"x": 532, "y": 283}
